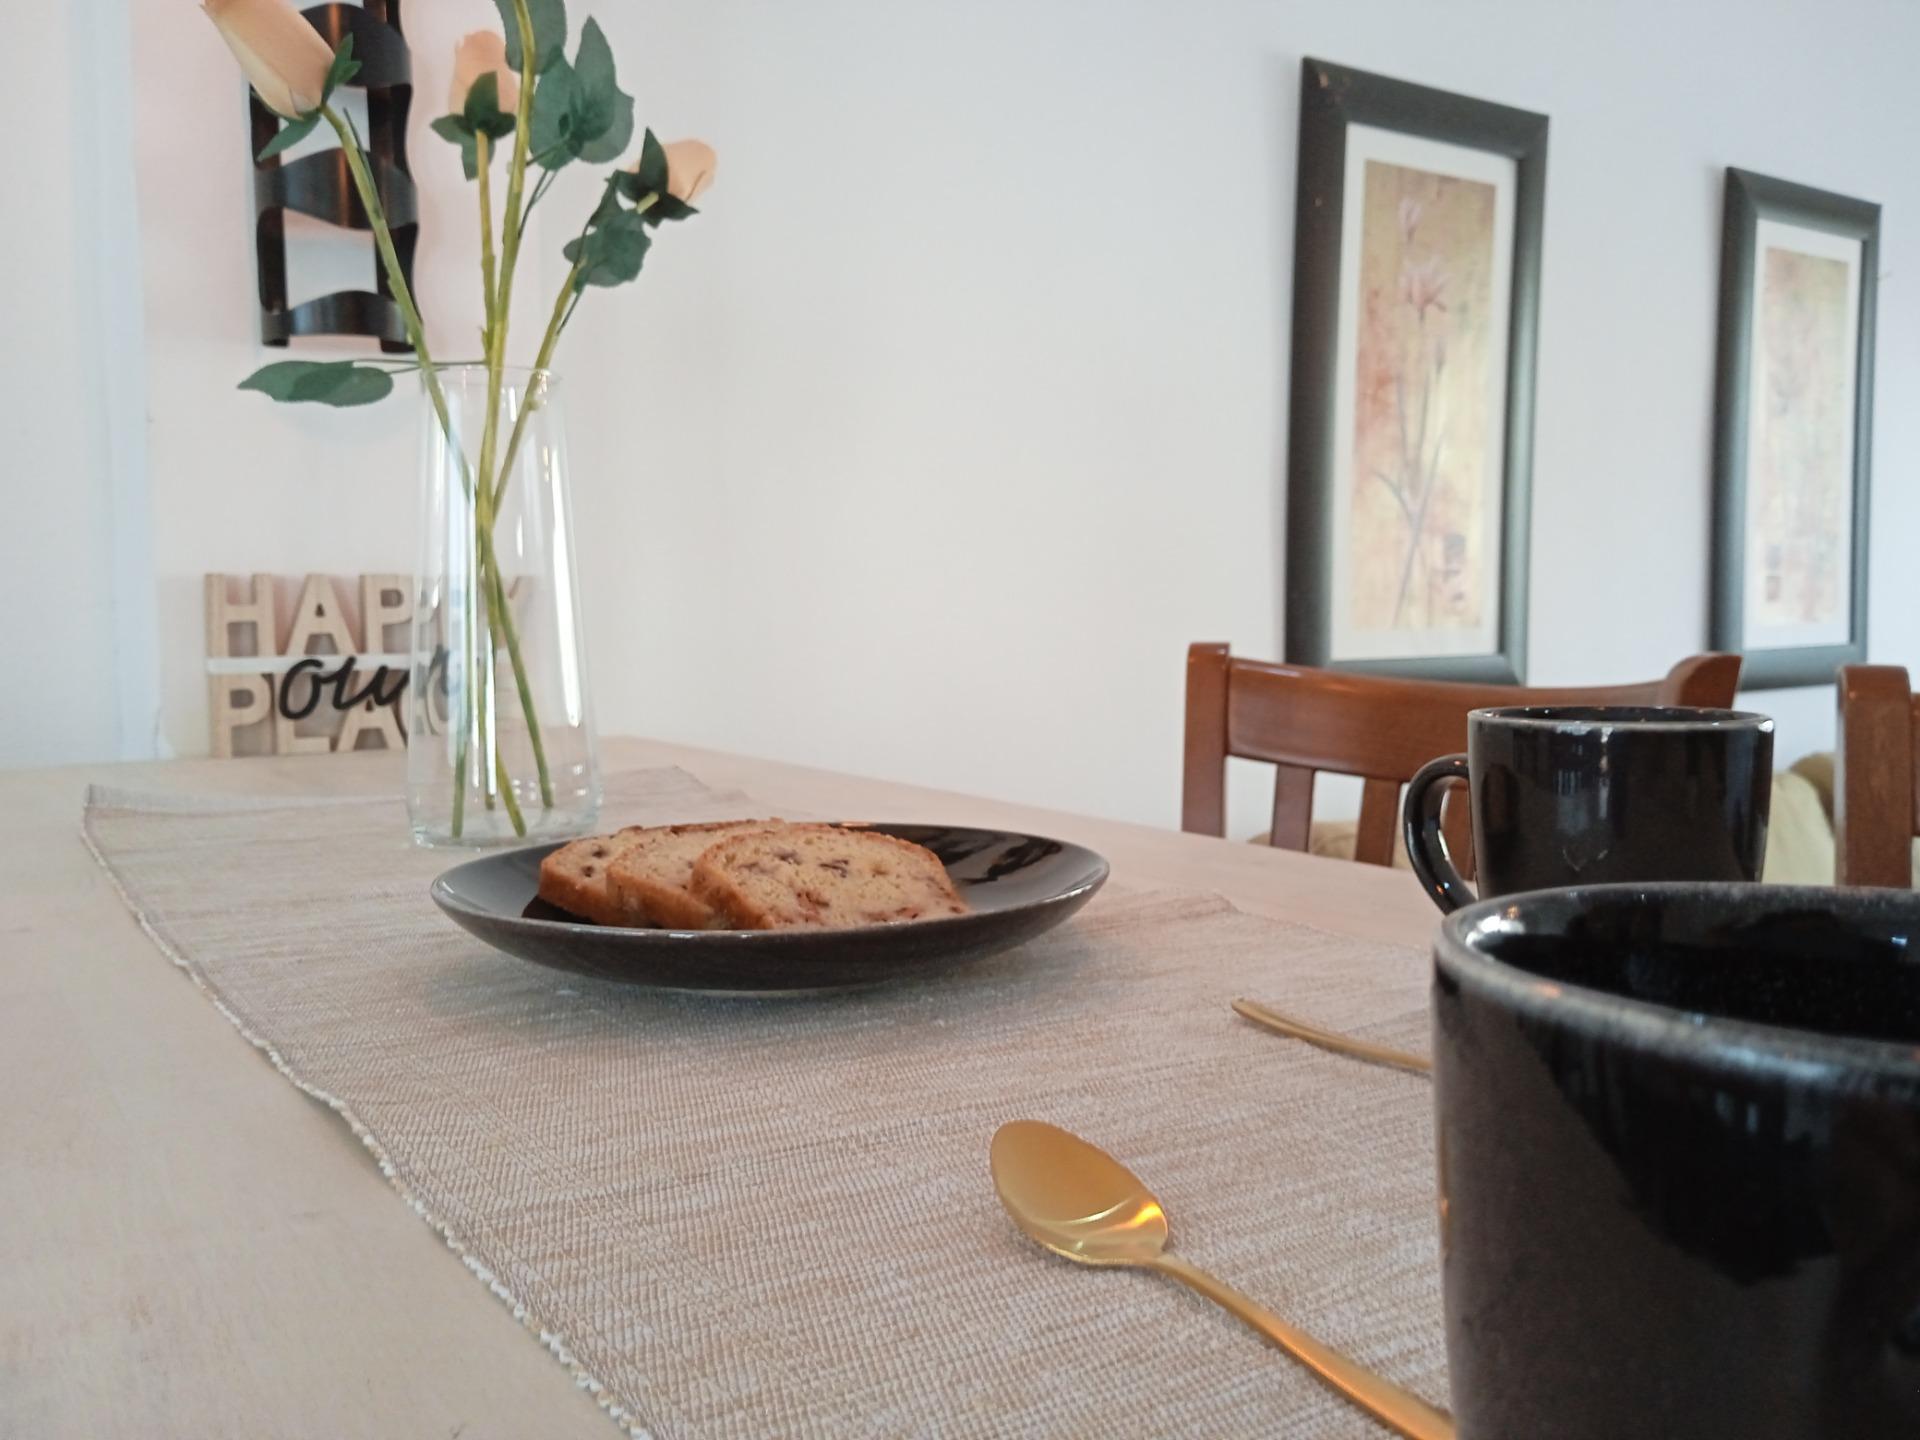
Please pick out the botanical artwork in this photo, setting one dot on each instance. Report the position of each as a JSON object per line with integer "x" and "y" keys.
{"x": 1416, "y": 272}
{"x": 1426, "y": 440}
{"x": 1800, "y": 477}
{"x": 1423, "y": 432}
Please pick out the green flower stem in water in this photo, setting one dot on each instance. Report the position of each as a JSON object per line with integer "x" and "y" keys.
{"x": 478, "y": 493}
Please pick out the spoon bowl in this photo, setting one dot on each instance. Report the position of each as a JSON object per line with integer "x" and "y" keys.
{"x": 1080, "y": 1202}
{"x": 1074, "y": 1198}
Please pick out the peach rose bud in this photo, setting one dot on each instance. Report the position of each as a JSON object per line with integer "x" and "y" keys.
{"x": 690, "y": 167}
{"x": 283, "y": 56}
{"x": 483, "y": 52}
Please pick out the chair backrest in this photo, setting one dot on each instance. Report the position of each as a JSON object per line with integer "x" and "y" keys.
{"x": 1373, "y": 726}
{"x": 1876, "y": 782}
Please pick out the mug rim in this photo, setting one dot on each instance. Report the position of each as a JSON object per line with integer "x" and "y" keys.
{"x": 1664, "y": 1029}
{"x": 1579, "y": 719}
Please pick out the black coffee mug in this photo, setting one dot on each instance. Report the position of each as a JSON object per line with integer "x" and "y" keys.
{"x": 1679, "y": 1162}
{"x": 1585, "y": 795}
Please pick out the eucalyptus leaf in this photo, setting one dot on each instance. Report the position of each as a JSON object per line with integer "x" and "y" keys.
{"x": 323, "y": 382}
{"x": 343, "y": 69}
{"x": 600, "y": 115}
{"x": 350, "y": 385}
{"x": 550, "y": 136}
{"x": 608, "y": 207}
{"x": 291, "y": 134}
{"x": 612, "y": 142}
{"x": 593, "y": 67}
{"x": 612, "y": 250}
{"x": 549, "y": 31}
{"x": 483, "y": 114}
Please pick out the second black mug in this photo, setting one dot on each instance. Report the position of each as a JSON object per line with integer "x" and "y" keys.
{"x": 1584, "y": 795}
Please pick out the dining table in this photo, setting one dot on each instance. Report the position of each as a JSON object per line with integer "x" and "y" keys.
{"x": 189, "y": 1245}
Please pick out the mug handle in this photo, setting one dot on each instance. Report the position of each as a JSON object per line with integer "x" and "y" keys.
{"x": 1426, "y": 845}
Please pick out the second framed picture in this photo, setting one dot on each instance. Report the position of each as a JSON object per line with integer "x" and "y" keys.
{"x": 1416, "y": 297}
{"x": 1793, "y": 413}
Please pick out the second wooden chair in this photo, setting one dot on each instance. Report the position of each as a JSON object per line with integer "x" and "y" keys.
{"x": 1381, "y": 729}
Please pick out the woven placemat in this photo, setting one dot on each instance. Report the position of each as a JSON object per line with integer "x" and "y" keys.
{"x": 774, "y": 1218}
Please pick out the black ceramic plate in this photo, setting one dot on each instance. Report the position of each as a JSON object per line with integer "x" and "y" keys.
{"x": 1015, "y": 886}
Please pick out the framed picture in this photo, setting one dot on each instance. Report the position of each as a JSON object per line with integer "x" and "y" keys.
{"x": 1416, "y": 288}
{"x": 1793, "y": 415}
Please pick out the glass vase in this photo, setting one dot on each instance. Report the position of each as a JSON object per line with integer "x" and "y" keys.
{"x": 500, "y": 738}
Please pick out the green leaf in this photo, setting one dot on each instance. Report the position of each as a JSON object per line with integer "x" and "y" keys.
{"x": 455, "y": 131}
{"x": 608, "y": 207}
{"x": 612, "y": 142}
{"x": 613, "y": 250}
{"x": 343, "y": 69}
{"x": 650, "y": 176}
{"x": 593, "y": 74}
{"x": 549, "y": 31}
{"x": 667, "y": 207}
{"x": 291, "y": 134}
{"x": 550, "y": 136}
{"x": 483, "y": 113}
{"x": 350, "y": 384}
{"x": 323, "y": 382}
{"x": 276, "y": 381}
{"x": 601, "y": 114}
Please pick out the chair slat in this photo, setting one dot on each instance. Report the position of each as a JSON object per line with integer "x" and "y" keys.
{"x": 1379, "y": 820}
{"x": 1875, "y": 799}
{"x": 1292, "y": 807}
{"x": 1203, "y": 787}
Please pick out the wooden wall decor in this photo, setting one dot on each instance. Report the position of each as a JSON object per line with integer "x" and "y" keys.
{"x": 318, "y": 184}
{"x": 292, "y": 670}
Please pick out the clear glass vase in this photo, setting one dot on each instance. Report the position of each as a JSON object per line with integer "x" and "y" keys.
{"x": 500, "y": 738}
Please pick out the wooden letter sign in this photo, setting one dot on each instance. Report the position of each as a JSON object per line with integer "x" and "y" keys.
{"x": 322, "y": 685}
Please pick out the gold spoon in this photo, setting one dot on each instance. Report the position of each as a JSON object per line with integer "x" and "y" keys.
{"x": 1332, "y": 1040}
{"x": 1080, "y": 1202}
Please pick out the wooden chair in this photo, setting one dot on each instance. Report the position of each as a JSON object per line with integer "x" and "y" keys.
{"x": 1381, "y": 729}
{"x": 1876, "y": 783}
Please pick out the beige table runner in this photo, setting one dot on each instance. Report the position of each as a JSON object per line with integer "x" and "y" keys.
{"x": 739, "y": 1218}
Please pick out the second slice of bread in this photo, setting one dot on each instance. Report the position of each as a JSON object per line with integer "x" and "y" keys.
{"x": 576, "y": 877}
{"x": 820, "y": 876}
{"x": 650, "y": 879}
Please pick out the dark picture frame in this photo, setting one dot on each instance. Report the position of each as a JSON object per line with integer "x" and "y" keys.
{"x": 1333, "y": 98}
{"x": 1750, "y": 200}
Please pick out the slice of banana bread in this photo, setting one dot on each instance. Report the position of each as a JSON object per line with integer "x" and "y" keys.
{"x": 650, "y": 877}
{"x": 823, "y": 877}
{"x": 574, "y": 877}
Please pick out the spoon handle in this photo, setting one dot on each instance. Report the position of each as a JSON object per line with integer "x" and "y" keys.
{"x": 1331, "y": 1040}
{"x": 1401, "y": 1412}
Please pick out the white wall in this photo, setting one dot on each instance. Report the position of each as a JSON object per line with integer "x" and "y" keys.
{"x": 930, "y": 445}
{"x": 969, "y": 385}
{"x": 75, "y": 577}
